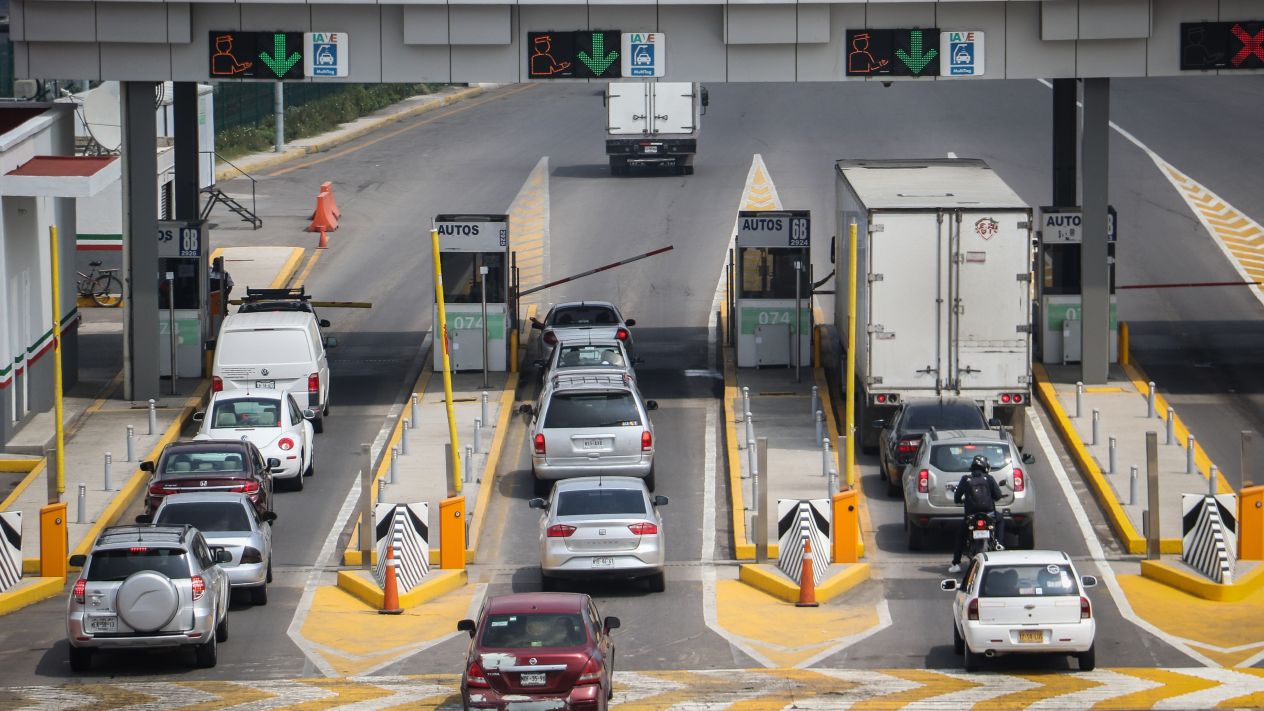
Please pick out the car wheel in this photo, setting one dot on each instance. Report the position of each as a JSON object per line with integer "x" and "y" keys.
{"x": 958, "y": 644}
{"x": 80, "y": 659}
{"x": 206, "y": 653}
{"x": 259, "y": 596}
{"x": 541, "y": 487}
{"x": 318, "y": 424}
{"x": 296, "y": 484}
{"x": 548, "y": 584}
{"x": 649, "y": 480}
{"x": 894, "y": 490}
{"x": 1088, "y": 660}
{"x": 657, "y": 582}
{"x": 970, "y": 658}
{"x": 916, "y": 537}
{"x": 221, "y": 630}
{"x": 311, "y": 465}
{"x": 269, "y": 571}
{"x": 1027, "y": 537}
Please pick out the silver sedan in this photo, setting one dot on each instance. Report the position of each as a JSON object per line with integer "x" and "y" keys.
{"x": 602, "y": 527}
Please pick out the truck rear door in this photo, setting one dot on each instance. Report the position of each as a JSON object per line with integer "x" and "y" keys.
{"x": 673, "y": 107}
{"x": 906, "y": 294}
{"x": 992, "y": 300}
{"x": 628, "y": 108}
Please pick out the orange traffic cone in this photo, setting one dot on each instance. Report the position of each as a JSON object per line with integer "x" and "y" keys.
{"x": 390, "y": 591}
{"x": 328, "y": 187}
{"x": 807, "y": 583}
{"x": 324, "y": 240}
{"x": 323, "y": 218}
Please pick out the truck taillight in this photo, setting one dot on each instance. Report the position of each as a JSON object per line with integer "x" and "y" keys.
{"x": 1020, "y": 481}
{"x": 540, "y": 447}
{"x": 1012, "y": 398}
{"x": 199, "y": 586}
{"x": 313, "y": 385}
{"x": 217, "y": 384}
{"x": 886, "y": 399}
{"x": 647, "y": 441}
{"x": 1086, "y": 609}
{"x": 972, "y": 610}
{"x": 923, "y": 482}
{"x": 81, "y": 588}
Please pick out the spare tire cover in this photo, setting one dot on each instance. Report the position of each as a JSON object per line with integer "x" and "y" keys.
{"x": 147, "y": 601}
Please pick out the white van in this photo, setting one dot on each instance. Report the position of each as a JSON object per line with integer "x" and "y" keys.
{"x": 275, "y": 349}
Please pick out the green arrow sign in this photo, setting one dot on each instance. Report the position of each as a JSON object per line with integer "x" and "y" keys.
{"x": 915, "y": 59}
{"x": 280, "y": 63}
{"x": 600, "y": 60}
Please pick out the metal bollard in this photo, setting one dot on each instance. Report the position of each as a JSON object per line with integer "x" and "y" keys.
{"x": 1079, "y": 398}
{"x": 750, "y": 458}
{"x": 1150, "y": 401}
{"x": 820, "y": 424}
{"x": 131, "y": 443}
{"x": 153, "y": 416}
{"x": 390, "y": 473}
{"x": 1110, "y": 459}
{"x": 381, "y": 491}
{"x": 483, "y": 410}
{"x": 412, "y": 410}
{"x": 746, "y": 400}
{"x": 1171, "y": 426}
{"x": 109, "y": 464}
{"x": 1097, "y": 418}
{"x": 750, "y": 428}
{"x": 83, "y": 503}
{"x": 478, "y": 435}
{"x": 826, "y": 459}
{"x": 469, "y": 463}
{"x": 1211, "y": 480}
{"x": 816, "y": 398}
{"x": 403, "y": 436}
{"x": 1132, "y": 486}
{"x": 1189, "y": 455}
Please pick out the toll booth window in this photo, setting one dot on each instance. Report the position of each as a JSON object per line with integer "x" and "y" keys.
{"x": 768, "y": 273}
{"x": 1060, "y": 269}
{"x": 186, "y": 283}
{"x": 462, "y": 281}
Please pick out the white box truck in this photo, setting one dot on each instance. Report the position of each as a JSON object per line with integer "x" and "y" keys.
{"x": 653, "y": 123}
{"x": 943, "y": 286}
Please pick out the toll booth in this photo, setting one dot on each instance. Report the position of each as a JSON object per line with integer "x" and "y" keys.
{"x": 474, "y": 257}
{"x": 182, "y": 275}
{"x": 1060, "y": 288}
{"x": 771, "y": 288}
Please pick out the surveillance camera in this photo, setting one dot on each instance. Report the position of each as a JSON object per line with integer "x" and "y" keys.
{"x": 886, "y": 84}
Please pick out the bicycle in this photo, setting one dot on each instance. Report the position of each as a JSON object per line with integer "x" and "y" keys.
{"x": 102, "y": 285}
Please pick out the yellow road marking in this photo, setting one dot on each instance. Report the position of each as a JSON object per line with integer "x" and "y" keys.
{"x": 229, "y": 694}
{"x": 932, "y": 685}
{"x": 802, "y": 683}
{"x": 1171, "y": 684}
{"x": 1049, "y": 686}
{"x": 1248, "y": 701}
{"x": 307, "y": 268}
{"x": 528, "y": 229}
{"x": 343, "y": 694}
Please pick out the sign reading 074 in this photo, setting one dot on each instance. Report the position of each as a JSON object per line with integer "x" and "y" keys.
{"x": 256, "y": 55}
{"x": 581, "y": 54}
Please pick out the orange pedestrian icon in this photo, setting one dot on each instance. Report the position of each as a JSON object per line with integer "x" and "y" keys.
{"x": 223, "y": 63}
{"x": 860, "y": 60}
{"x": 543, "y": 63}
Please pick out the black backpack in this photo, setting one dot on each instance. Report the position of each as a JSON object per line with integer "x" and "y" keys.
{"x": 978, "y": 494}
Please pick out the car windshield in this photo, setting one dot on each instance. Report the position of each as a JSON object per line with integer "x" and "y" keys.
{"x": 592, "y": 409}
{"x": 590, "y": 357}
{"x": 117, "y": 564}
{"x": 534, "y": 630}
{"x": 583, "y": 316}
{"x": 191, "y": 463}
{"x": 247, "y": 412}
{"x": 957, "y": 457}
{"x": 206, "y": 515}
{"x": 601, "y": 501}
{"x": 1053, "y": 579}
{"x": 944, "y": 417}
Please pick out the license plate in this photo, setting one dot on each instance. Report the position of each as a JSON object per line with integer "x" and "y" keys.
{"x": 979, "y": 535}
{"x": 532, "y": 679}
{"x": 265, "y": 384}
{"x": 1031, "y": 636}
{"x": 593, "y": 443}
{"x": 103, "y": 623}
{"x": 602, "y": 562}
{"x": 651, "y": 149}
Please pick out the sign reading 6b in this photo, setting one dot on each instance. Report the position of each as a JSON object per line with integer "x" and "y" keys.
{"x": 800, "y": 232}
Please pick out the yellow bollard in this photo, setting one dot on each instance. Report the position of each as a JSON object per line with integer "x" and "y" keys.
{"x": 513, "y": 351}
{"x": 54, "y": 542}
{"x": 1251, "y": 523}
{"x": 452, "y": 533}
{"x": 1125, "y": 356}
{"x": 845, "y": 530}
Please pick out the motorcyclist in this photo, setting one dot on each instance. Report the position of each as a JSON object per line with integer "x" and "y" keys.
{"x": 979, "y": 492}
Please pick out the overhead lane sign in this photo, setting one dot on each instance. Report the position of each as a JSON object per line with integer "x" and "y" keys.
{"x": 913, "y": 52}
{"x": 256, "y": 55}
{"x": 582, "y": 54}
{"x": 961, "y": 53}
{"x": 644, "y": 54}
{"x": 1222, "y": 45}
{"x": 326, "y": 54}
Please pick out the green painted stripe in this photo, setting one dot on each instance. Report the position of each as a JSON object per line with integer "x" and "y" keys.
{"x": 88, "y": 237}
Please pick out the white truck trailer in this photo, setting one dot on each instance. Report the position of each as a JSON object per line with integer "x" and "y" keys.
{"x": 943, "y": 286}
{"x": 653, "y": 123}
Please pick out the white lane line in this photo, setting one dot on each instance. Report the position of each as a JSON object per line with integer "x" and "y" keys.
{"x": 1229, "y": 685}
{"x": 884, "y": 621}
{"x": 1110, "y": 685}
{"x": 1095, "y": 550}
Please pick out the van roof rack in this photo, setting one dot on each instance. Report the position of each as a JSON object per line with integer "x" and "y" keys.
{"x": 296, "y": 293}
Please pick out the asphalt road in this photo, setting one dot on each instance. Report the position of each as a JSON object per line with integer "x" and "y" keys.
{"x": 474, "y": 158}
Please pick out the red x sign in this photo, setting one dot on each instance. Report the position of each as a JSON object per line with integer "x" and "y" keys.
{"x": 1251, "y": 45}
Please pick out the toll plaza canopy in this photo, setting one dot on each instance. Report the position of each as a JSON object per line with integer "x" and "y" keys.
{"x": 700, "y": 40}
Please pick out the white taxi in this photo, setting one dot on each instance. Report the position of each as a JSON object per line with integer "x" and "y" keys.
{"x": 272, "y": 421}
{"x": 1012, "y": 602}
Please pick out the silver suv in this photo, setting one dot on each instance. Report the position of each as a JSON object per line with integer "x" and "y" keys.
{"x": 942, "y": 458}
{"x": 147, "y": 587}
{"x": 585, "y": 425}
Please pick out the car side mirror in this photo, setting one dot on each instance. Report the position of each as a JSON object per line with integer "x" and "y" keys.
{"x": 878, "y": 424}
{"x": 1028, "y": 458}
{"x": 651, "y": 405}
{"x": 948, "y": 585}
{"x": 465, "y": 626}
{"x": 629, "y": 322}
{"x": 331, "y": 341}
{"x": 324, "y": 323}
{"x": 535, "y": 323}
{"x": 526, "y": 409}
{"x": 1088, "y": 581}
{"x": 199, "y": 416}
{"x": 538, "y": 503}
{"x": 274, "y": 463}
{"x": 660, "y": 500}
{"x": 268, "y": 516}
{"x": 994, "y": 422}
{"x": 78, "y": 560}
{"x": 539, "y": 363}
{"x": 223, "y": 556}
{"x": 144, "y": 518}
{"x": 309, "y": 414}
{"x": 147, "y": 466}
{"x": 611, "y": 623}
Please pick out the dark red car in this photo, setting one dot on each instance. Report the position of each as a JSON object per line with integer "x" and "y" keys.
{"x": 550, "y": 647}
{"x": 211, "y": 465}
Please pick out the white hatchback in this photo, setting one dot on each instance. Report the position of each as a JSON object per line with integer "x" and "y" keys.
{"x": 1022, "y": 602}
{"x": 272, "y": 421}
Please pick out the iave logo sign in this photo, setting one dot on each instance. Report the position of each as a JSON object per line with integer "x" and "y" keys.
{"x": 644, "y": 54}
{"x": 327, "y": 54}
{"x": 961, "y": 53}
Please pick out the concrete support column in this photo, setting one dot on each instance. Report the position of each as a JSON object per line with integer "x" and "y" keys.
{"x": 1065, "y": 132}
{"x": 140, "y": 240}
{"x": 1094, "y": 270}
{"x": 186, "y": 177}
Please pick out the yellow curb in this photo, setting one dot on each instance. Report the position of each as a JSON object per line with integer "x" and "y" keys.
{"x": 769, "y": 579}
{"x": 742, "y": 550}
{"x": 827, "y": 406}
{"x": 32, "y": 474}
{"x": 287, "y": 271}
{"x": 361, "y": 585}
{"x": 29, "y": 592}
{"x": 1194, "y": 584}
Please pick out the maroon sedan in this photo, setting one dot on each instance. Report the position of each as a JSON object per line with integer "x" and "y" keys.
{"x": 548, "y": 647}
{"x": 211, "y": 465}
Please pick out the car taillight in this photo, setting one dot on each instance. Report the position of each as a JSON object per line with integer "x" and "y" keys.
{"x": 972, "y": 610}
{"x": 591, "y": 673}
{"x": 475, "y": 677}
{"x": 621, "y": 334}
{"x": 643, "y": 529}
{"x": 540, "y": 447}
{"x": 162, "y": 489}
{"x": 313, "y": 384}
{"x": 549, "y": 338}
{"x": 250, "y": 556}
{"x": 81, "y": 587}
{"x": 647, "y": 441}
{"x": 1086, "y": 609}
{"x": 199, "y": 587}
{"x": 1020, "y": 481}
{"x": 907, "y": 446}
{"x": 248, "y": 487}
{"x": 923, "y": 482}
{"x": 560, "y": 530}
{"x": 217, "y": 385}
{"x": 286, "y": 444}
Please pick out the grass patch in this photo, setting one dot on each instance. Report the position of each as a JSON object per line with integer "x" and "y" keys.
{"x": 317, "y": 117}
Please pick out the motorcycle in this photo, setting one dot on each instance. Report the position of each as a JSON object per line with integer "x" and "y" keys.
{"x": 981, "y": 533}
